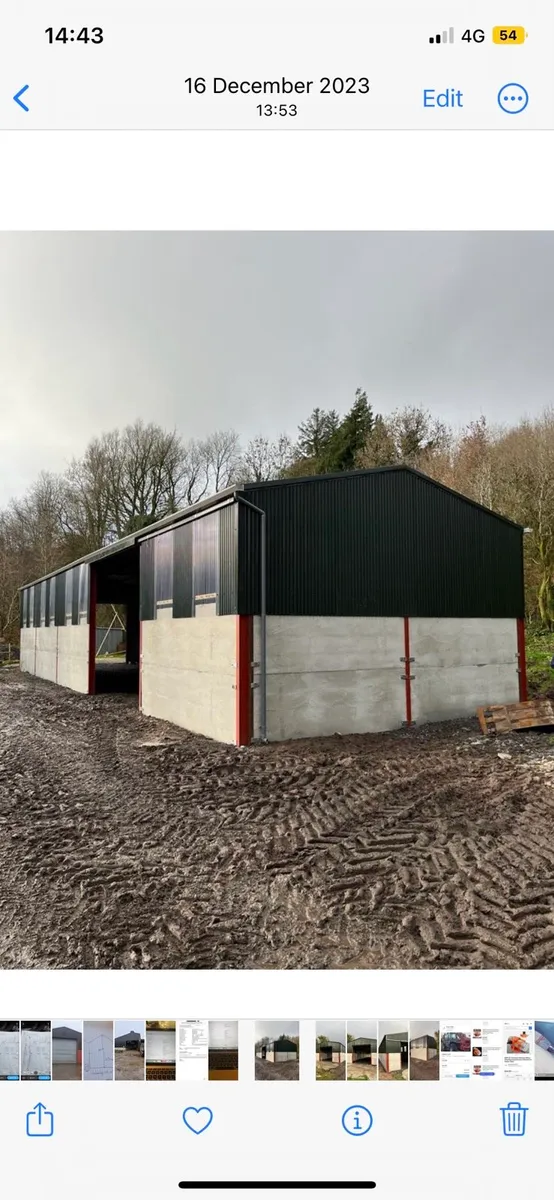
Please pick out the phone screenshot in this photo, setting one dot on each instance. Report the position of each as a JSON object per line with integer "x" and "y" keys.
{"x": 276, "y": 599}
{"x": 288, "y": 66}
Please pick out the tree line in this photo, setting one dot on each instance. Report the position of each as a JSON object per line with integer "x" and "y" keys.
{"x": 128, "y": 478}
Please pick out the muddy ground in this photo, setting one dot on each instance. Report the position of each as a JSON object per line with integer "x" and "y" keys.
{"x": 361, "y": 1070}
{"x": 269, "y": 1070}
{"x": 126, "y": 842}
{"x": 421, "y": 1069}
{"x": 330, "y": 1071}
{"x": 397, "y": 1076}
{"x": 66, "y": 1071}
{"x": 129, "y": 1064}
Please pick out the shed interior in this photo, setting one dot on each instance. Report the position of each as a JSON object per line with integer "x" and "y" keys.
{"x": 362, "y": 1051}
{"x": 115, "y": 581}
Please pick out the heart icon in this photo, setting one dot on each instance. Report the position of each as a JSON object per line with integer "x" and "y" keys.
{"x": 197, "y": 1119}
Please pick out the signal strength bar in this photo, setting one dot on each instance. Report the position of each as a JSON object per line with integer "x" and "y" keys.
{"x": 440, "y": 38}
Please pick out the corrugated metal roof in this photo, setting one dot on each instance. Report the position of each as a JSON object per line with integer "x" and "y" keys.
{"x": 132, "y": 539}
{"x": 242, "y": 489}
{"x": 387, "y": 543}
{"x": 397, "y": 467}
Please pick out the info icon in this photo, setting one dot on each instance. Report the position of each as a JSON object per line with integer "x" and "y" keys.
{"x": 357, "y": 1120}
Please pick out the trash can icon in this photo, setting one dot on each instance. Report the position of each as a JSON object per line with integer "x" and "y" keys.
{"x": 514, "y": 1119}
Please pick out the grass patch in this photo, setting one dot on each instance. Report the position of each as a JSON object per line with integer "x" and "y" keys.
{"x": 539, "y": 646}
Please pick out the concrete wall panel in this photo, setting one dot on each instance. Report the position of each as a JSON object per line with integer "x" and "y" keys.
{"x": 329, "y": 675}
{"x": 188, "y": 674}
{"x": 47, "y": 652}
{"x": 460, "y": 665}
{"x": 73, "y": 647}
{"x": 304, "y": 644}
{"x": 452, "y": 642}
{"x": 441, "y": 694}
{"x": 327, "y": 702}
{"x": 27, "y": 650}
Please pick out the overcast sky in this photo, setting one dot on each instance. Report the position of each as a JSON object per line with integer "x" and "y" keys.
{"x": 134, "y": 1026}
{"x": 251, "y": 331}
{"x": 335, "y": 1031}
{"x": 420, "y": 1028}
{"x": 274, "y": 1029}
{"x": 389, "y": 1027}
{"x": 362, "y": 1029}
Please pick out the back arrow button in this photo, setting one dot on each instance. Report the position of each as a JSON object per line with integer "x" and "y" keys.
{"x": 18, "y": 96}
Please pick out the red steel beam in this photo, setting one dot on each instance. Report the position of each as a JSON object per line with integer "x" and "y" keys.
{"x": 140, "y": 668}
{"x": 243, "y": 682}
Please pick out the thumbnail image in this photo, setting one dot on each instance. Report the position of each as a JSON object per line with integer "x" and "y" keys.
{"x": 129, "y": 1049}
{"x": 544, "y": 1050}
{"x": 519, "y": 1043}
{"x": 424, "y": 1049}
{"x": 9, "y": 1050}
{"x": 98, "y": 1051}
{"x": 393, "y": 1050}
{"x": 456, "y": 1059}
{"x": 277, "y": 1050}
{"x": 161, "y": 1050}
{"x": 223, "y": 1050}
{"x": 67, "y": 1048}
{"x": 330, "y": 1050}
{"x": 361, "y": 1050}
{"x": 192, "y": 1050}
{"x": 36, "y": 1050}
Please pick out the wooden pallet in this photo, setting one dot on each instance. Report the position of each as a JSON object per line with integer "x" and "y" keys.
{"x": 503, "y": 718}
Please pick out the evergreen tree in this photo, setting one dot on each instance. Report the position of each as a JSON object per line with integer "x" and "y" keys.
{"x": 347, "y": 443}
{"x": 314, "y": 434}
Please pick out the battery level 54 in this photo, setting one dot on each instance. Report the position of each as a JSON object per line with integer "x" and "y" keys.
{"x": 509, "y": 35}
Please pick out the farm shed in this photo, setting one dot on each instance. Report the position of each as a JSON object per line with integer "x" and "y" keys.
{"x": 281, "y": 1050}
{"x": 129, "y": 1041}
{"x": 345, "y": 603}
{"x": 67, "y": 1046}
{"x": 332, "y": 1052}
{"x": 393, "y": 1052}
{"x": 362, "y": 1049}
{"x": 424, "y": 1047}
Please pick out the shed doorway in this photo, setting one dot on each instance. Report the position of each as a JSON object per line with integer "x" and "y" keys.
{"x": 114, "y": 623}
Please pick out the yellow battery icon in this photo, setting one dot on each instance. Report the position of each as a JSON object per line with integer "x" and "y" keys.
{"x": 508, "y": 35}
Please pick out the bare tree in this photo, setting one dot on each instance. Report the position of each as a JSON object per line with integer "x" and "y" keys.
{"x": 222, "y": 451}
{"x": 264, "y": 460}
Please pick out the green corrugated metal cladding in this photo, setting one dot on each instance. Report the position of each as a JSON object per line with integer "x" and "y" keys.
{"x": 388, "y": 542}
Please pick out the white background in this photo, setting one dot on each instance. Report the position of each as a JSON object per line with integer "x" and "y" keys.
{"x": 268, "y": 995}
{"x": 277, "y": 180}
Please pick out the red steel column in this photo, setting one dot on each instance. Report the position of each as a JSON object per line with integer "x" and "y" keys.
{"x": 243, "y": 682}
{"x": 140, "y": 667}
{"x": 92, "y": 632}
{"x": 522, "y": 665}
{"x": 408, "y": 671}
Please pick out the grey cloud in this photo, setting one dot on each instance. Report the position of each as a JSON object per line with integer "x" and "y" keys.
{"x": 204, "y": 331}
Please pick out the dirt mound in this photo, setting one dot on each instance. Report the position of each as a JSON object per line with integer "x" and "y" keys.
{"x": 270, "y": 1070}
{"x": 125, "y": 842}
